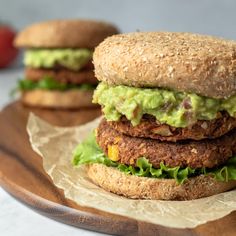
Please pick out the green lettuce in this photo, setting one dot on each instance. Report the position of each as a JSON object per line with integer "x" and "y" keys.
{"x": 88, "y": 151}
{"x": 48, "y": 83}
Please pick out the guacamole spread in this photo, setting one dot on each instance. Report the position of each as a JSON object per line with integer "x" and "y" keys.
{"x": 177, "y": 109}
{"x": 72, "y": 59}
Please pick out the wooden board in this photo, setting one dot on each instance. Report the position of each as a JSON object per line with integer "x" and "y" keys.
{"x": 22, "y": 175}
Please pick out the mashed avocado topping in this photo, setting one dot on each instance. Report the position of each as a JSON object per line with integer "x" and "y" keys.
{"x": 72, "y": 59}
{"x": 48, "y": 83}
{"x": 177, "y": 109}
{"x": 88, "y": 151}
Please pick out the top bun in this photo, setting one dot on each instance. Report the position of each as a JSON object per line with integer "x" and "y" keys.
{"x": 184, "y": 62}
{"x": 65, "y": 34}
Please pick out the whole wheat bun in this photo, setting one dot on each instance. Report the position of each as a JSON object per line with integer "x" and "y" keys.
{"x": 135, "y": 187}
{"x": 71, "y": 99}
{"x": 65, "y": 34}
{"x": 185, "y": 62}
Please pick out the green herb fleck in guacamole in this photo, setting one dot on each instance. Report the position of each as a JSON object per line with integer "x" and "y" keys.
{"x": 177, "y": 109}
{"x": 72, "y": 59}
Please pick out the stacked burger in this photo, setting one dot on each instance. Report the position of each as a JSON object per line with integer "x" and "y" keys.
{"x": 59, "y": 72}
{"x": 169, "y": 105}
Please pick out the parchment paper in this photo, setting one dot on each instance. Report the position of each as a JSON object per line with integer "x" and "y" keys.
{"x": 55, "y": 145}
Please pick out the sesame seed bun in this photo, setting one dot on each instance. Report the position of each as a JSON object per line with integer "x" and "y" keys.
{"x": 71, "y": 99}
{"x": 185, "y": 62}
{"x": 65, "y": 34}
{"x": 136, "y": 187}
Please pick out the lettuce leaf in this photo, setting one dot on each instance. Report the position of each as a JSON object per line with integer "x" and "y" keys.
{"x": 88, "y": 151}
{"x": 48, "y": 83}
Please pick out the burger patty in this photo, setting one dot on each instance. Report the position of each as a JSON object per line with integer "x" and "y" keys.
{"x": 149, "y": 127}
{"x": 195, "y": 154}
{"x": 62, "y": 75}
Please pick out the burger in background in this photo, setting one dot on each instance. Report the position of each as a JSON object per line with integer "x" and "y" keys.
{"x": 59, "y": 72}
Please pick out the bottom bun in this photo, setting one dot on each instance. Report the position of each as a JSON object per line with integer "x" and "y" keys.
{"x": 71, "y": 99}
{"x": 131, "y": 186}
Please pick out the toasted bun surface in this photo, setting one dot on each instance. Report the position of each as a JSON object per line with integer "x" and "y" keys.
{"x": 65, "y": 34}
{"x": 179, "y": 61}
{"x": 71, "y": 99}
{"x": 130, "y": 186}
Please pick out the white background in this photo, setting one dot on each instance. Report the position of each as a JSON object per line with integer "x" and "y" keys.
{"x": 216, "y": 17}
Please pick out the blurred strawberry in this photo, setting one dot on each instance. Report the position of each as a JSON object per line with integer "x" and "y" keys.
{"x": 7, "y": 51}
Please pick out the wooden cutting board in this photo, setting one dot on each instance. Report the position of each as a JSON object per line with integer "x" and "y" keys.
{"x": 22, "y": 175}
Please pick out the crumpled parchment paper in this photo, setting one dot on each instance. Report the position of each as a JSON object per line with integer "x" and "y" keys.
{"x": 56, "y": 144}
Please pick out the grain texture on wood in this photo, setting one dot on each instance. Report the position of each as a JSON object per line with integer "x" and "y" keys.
{"x": 22, "y": 175}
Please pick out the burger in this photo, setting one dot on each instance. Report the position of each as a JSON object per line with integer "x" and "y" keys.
{"x": 169, "y": 127}
{"x": 59, "y": 72}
